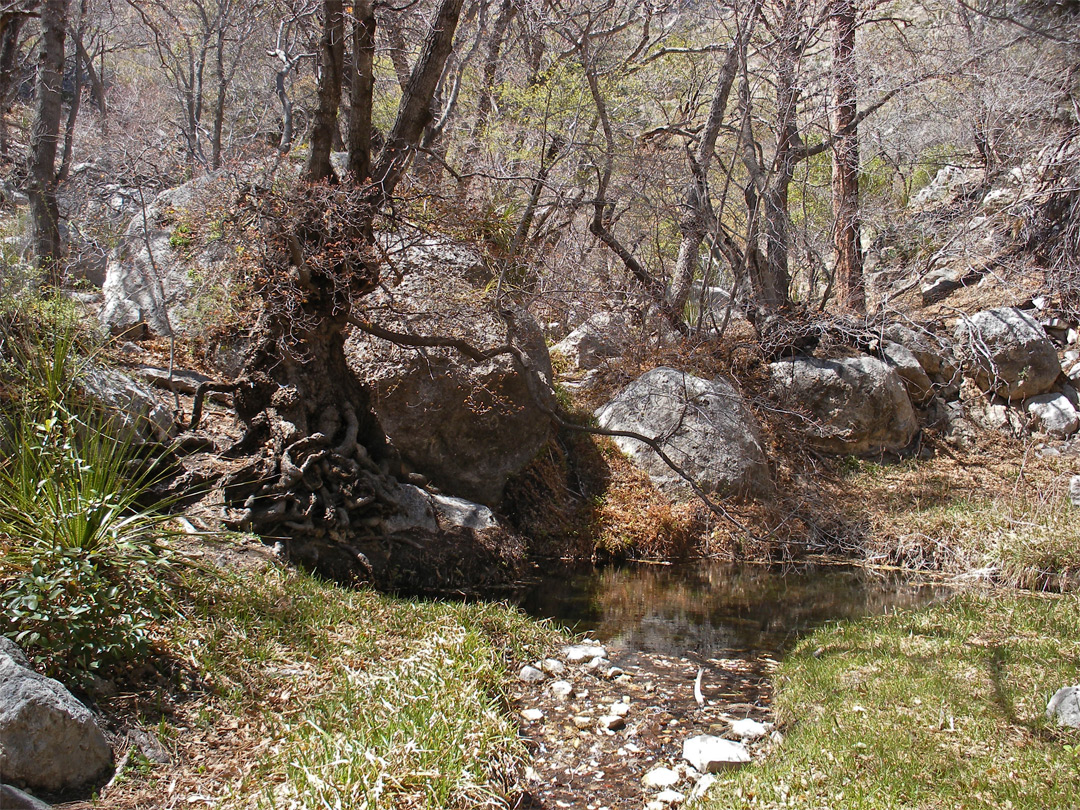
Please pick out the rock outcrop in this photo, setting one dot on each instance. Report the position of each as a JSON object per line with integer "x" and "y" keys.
{"x": 48, "y": 740}
{"x": 135, "y": 413}
{"x": 855, "y": 405}
{"x": 604, "y": 335}
{"x": 466, "y": 426}
{"x": 1009, "y": 352}
{"x": 151, "y": 281}
{"x": 703, "y": 425}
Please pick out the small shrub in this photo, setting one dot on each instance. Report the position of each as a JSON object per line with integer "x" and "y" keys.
{"x": 85, "y": 574}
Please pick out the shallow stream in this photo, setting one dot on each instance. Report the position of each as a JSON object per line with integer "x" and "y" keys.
{"x": 710, "y": 608}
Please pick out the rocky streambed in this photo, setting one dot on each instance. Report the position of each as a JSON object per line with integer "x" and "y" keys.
{"x": 619, "y": 729}
{"x": 672, "y": 682}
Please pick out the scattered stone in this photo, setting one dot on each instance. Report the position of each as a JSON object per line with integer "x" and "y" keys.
{"x": 1074, "y": 490}
{"x": 532, "y": 715}
{"x": 670, "y": 796}
{"x": 11, "y": 798}
{"x": 749, "y": 729}
{"x": 1010, "y": 353}
{"x": 620, "y": 709}
{"x": 712, "y": 754}
{"x": 580, "y": 652}
{"x": 1064, "y": 707}
{"x": 702, "y": 786}
{"x": 48, "y": 739}
{"x": 553, "y": 666}
{"x": 561, "y": 689}
{"x": 530, "y": 674}
{"x": 858, "y": 405}
{"x": 660, "y": 778}
{"x": 1053, "y": 414}
{"x": 612, "y": 722}
{"x": 707, "y": 430}
{"x": 596, "y": 663}
{"x": 582, "y": 721}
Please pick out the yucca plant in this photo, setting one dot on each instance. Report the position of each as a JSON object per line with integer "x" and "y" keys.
{"x": 85, "y": 571}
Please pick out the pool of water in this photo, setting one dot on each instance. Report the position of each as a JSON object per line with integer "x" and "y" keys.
{"x": 710, "y": 608}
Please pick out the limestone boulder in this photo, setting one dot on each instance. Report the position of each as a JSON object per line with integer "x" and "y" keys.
{"x": 466, "y": 426}
{"x": 907, "y": 365}
{"x": 135, "y": 411}
{"x": 704, "y": 426}
{"x": 1053, "y": 414}
{"x": 854, "y": 405}
{"x": 154, "y": 280}
{"x": 604, "y": 335}
{"x": 49, "y": 741}
{"x": 1009, "y": 353}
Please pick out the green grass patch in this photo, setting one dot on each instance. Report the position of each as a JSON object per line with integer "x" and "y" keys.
{"x": 346, "y": 698}
{"x": 938, "y": 708}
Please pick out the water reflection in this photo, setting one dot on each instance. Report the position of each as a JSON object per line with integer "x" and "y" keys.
{"x": 709, "y": 608}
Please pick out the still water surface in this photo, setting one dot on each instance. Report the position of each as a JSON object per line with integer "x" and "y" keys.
{"x": 711, "y": 608}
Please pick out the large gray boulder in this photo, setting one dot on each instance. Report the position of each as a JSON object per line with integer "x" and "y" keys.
{"x": 153, "y": 280}
{"x": 467, "y": 426}
{"x": 604, "y": 335}
{"x": 48, "y": 740}
{"x": 1009, "y": 352}
{"x": 856, "y": 405}
{"x": 135, "y": 412}
{"x": 704, "y": 426}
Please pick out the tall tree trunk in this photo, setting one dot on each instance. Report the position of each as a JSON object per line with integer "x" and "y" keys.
{"x": 362, "y": 88}
{"x": 332, "y": 53}
{"x": 44, "y": 134}
{"x": 11, "y": 24}
{"x": 414, "y": 112}
{"x": 847, "y": 242}
{"x": 222, "y": 88}
{"x": 694, "y": 224}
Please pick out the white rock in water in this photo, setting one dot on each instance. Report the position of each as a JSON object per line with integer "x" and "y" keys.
{"x": 749, "y": 729}
{"x": 1064, "y": 707}
{"x": 670, "y": 796}
{"x": 660, "y": 778}
{"x": 532, "y": 715}
{"x": 583, "y": 652}
{"x": 711, "y": 754}
{"x": 530, "y": 674}
{"x": 560, "y": 689}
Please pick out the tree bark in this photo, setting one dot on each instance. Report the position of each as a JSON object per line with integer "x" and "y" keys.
{"x": 847, "y": 242}
{"x": 414, "y": 112}
{"x": 362, "y": 87}
{"x": 694, "y": 224}
{"x": 44, "y": 134}
{"x": 332, "y": 53}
